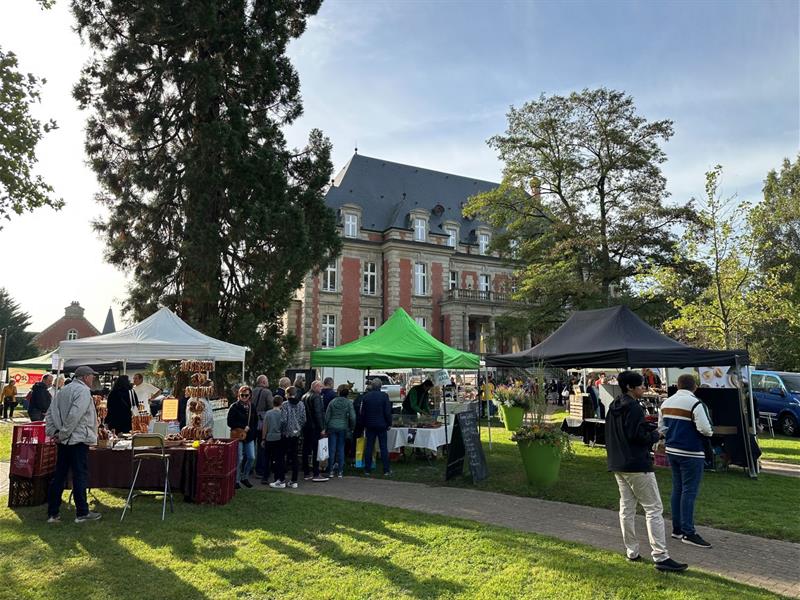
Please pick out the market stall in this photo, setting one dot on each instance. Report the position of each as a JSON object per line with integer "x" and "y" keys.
{"x": 401, "y": 343}
{"x": 617, "y": 338}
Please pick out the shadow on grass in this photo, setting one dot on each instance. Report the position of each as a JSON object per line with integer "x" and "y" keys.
{"x": 280, "y": 544}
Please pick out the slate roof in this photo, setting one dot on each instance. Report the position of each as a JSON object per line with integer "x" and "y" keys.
{"x": 109, "y": 326}
{"x": 387, "y": 192}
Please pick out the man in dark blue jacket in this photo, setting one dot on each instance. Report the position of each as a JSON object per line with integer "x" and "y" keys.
{"x": 376, "y": 416}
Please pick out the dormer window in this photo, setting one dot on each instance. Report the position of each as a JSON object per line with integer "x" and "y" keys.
{"x": 72, "y": 334}
{"x": 452, "y": 237}
{"x": 350, "y": 225}
{"x": 483, "y": 244}
{"x": 420, "y": 230}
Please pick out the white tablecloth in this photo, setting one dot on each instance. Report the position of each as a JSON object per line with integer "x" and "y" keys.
{"x": 419, "y": 438}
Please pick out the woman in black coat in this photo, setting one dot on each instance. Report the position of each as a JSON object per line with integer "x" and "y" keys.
{"x": 121, "y": 401}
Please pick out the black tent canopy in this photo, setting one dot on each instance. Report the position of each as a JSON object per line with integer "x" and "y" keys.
{"x": 614, "y": 337}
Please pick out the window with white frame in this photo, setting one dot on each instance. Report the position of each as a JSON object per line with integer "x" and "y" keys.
{"x": 350, "y": 225}
{"x": 328, "y": 331}
{"x": 452, "y": 239}
{"x": 453, "y": 280}
{"x": 72, "y": 334}
{"x": 483, "y": 283}
{"x": 420, "y": 229}
{"x": 483, "y": 243}
{"x": 422, "y": 322}
{"x": 370, "y": 282}
{"x": 329, "y": 278}
{"x": 420, "y": 279}
{"x": 370, "y": 325}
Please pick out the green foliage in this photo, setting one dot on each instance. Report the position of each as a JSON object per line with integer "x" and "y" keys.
{"x": 512, "y": 397}
{"x": 20, "y": 342}
{"x": 581, "y": 206}
{"x": 208, "y": 209}
{"x": 547, "y": 434}
{"x": 776, "y": 226}
{"x": 739, "y": 298}
{"x": 20, "y": 189}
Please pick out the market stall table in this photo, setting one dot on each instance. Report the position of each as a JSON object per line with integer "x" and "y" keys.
{"x": 416, "y": 437}
{"x": 110, "y": 468}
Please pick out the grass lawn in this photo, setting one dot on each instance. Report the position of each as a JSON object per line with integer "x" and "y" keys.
{"x": 5, "y": 441}
{"x": 276, "y": 545}
{"x": 780, "y": 448}
{"x": 766, "y": 507}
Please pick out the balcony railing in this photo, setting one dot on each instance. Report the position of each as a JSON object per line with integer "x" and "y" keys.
{"x": 467, "y": 295}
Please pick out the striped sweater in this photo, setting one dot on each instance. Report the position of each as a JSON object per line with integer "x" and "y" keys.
{"x": 684, "y": 419}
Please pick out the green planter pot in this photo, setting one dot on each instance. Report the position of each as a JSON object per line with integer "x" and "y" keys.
{"x": 512, "y": 417}
{"x": 542, "y": 462}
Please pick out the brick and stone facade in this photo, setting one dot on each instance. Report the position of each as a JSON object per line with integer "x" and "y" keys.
{"x": 72, "y": 326}
{"x": 405, "y": 244}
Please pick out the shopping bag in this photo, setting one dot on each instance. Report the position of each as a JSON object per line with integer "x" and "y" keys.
{"x": 360, "y": 445}
{"x": 322, "y": 450}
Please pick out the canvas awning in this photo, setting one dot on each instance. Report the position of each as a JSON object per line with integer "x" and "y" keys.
{"x": 614, "y": 337}
{"x": 161, "y": 336}
{"x": 398, "y": 343}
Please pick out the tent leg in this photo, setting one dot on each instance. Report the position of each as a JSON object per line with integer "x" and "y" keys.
{"x": 242, "y": 371}
{"x": 751, "y": 462}
{"x": 124, "y": 366}
{"x": 488, "y": 407}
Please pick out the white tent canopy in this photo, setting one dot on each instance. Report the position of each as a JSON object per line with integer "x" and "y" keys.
{"x": 161, "y": 336}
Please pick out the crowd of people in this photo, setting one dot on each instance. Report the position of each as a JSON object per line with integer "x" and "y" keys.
{"x": 280, "y": 431}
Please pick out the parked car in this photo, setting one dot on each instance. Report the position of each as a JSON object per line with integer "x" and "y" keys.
{"x": 396, "y": 391}
{"x": 778, "y": 396}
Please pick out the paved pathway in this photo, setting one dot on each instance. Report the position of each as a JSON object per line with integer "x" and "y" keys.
{"x": 4, "y": 466}
{"x": 778, "y": 468}
{"x": 769, "y": 564}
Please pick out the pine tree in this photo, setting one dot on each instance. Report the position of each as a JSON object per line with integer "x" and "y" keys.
{"x": 15, "y": 322}
{"x": 208, "y": 209}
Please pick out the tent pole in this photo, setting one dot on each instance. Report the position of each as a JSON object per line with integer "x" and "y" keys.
{"x": 124, "y": 366}
{"x": 488, "y": 405}
{"x": 750, "y": 460}
{"x": 242, "y": 371}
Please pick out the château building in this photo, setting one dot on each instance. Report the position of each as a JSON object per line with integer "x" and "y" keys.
{"x": 406, "y": 244}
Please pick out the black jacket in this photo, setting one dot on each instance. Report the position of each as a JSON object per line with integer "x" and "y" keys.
{"x": 118, "y": 417}
{"x": 237, "y": 419}
{"x": 315, "y": 414}
{"x": 328, "y": 394}
{"x": 628, "y": 437}
{"x": 40, "y": 398}
{"x": 376, "y": 410}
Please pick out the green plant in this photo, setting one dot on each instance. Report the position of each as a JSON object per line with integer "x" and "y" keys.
{"x": 545, "y": 433}
{"x": 510, "y": 397}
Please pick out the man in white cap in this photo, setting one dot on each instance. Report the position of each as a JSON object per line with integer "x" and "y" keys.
{"x": 72, "y": 423}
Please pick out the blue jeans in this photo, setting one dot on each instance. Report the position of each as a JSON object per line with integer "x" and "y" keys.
{"x": 247, "y": 450}
{"x": 336, "y": 439}
{"x": 73, "y": 458}
{"x": 371, "y": 434}
{"x": 686, "y": 475}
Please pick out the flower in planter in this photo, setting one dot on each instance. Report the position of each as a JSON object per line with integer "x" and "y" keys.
{"x": 545, "y": 434}
{"x": 512, "y": 397}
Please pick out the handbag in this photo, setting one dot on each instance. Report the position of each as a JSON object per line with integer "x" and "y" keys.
{"x": 322, "y": 450}
{"x": 240, "y": 433}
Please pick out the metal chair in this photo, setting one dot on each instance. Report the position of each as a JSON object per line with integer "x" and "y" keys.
{"x": 149, "y": 446}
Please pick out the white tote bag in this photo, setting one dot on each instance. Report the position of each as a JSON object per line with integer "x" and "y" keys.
{"x": 322, "y": 450}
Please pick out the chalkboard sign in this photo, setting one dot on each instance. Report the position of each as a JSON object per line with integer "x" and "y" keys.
{"x": 465, "y": 444}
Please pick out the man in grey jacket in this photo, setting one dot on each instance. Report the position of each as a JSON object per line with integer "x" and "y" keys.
{"x": 72, "y": 423}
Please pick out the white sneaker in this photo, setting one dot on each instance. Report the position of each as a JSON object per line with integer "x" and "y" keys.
{"x": 340, "y": 475}
{"x": 90, "y": 516}
{"x": 292, "y": 484}
{"x": 278, "y": 485}
{"x": 320, "y": 478}
{"x": 54, "y": 519}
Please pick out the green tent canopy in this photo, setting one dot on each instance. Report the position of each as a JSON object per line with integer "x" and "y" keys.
{"x": 44, "y": 361}
{"x": 398, "y": 343}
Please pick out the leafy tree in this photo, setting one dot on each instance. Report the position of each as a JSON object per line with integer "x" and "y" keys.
{"x": 20, "y": 189}
{"x": 208, "y": 208}
{"x": 739, "y": 297}
{"x": 776, "y": 225}
{"x": 20, "y": 342}
{"x": 582, "y": 202}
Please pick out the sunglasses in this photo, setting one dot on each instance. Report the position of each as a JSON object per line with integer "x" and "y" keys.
{"x": 244, "y": 395}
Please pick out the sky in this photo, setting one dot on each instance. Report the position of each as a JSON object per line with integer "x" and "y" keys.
{"x": 427, "y": 83}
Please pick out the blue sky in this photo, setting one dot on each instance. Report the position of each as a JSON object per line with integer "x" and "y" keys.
{"x": 427, "y": 83}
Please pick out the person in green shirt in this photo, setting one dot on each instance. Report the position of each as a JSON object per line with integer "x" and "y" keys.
{"x": 416, "y": 401}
